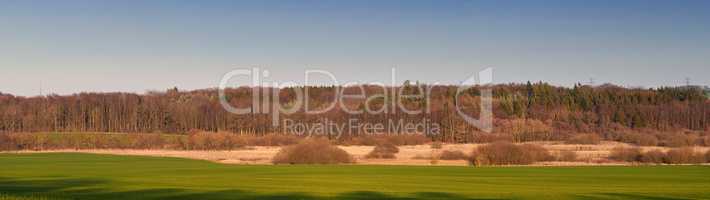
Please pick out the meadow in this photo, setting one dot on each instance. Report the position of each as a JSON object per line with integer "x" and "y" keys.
{"x": 36, "y": 176}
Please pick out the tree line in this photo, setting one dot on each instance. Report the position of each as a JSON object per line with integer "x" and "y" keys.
{"x": 531, "y": 111}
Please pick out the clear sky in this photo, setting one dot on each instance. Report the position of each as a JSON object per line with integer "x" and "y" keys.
{"x": 134, "y": 46}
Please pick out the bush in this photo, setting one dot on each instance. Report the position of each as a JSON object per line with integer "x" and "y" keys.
{"x": 214, "y": 141}
{"x": 312, "y": 151}
{"x": 388, "y": 147}
{"x": 7, "y": 143}
{"x": 584, "y": 139}
{"x": 707, "y": 156}
{"x": 654, "y": 156}
{"x": 678, "y": 140}
{"x": 638, "y": 139}
{"x": 625, "y": 154}
{"x": 50, "y": 141}
{"x": 452, "y": 155}
{"x": 383, "y": 150}
{"x": 145, "y": 141}
{"x": 536, "y": 152}
{"x": 567, "y": 156}
{"x": 373, "y": 140}
{"x": 506, "y": 153}
{"x": 437, "y": 145}
{"x": 683, "y": 156}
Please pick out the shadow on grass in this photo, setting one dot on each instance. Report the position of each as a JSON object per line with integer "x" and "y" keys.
{"x": 61, "y": 188}
{"x": 64, "y": 188}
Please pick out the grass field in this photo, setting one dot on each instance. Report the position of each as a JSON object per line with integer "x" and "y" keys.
{"x": 89, "y": 176}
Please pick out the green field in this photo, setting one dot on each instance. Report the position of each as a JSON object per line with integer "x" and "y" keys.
{"x": 87, "y": 176}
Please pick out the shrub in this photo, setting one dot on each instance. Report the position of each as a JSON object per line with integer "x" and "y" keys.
{"x": 383, "y": 150}
{"x": 536, "y": 152}
{"x": 388, "y": 147}
{"x": 506, "y": 153}
{"x": 584, "y": 139}
{"x": 312, "y": 151}
{"x": 638, "y": 139}
{"x": 707, "y": 156}
{"x": 437, "y": 145}
{"x": 373, "y": 140}
{"x": 678, "y": 140}
{"x": 625, "y": 154}
{"x": 145, "y": 141}
{"x": 7, "y": 143}
{"x": 214, "y": 141}
{"x": 653, "y": 156}
{"x": 452, "y": 155}
{"x": 683, "y": 156}
{"x": 567, "y": 156}
{"x": 49, "y": 141}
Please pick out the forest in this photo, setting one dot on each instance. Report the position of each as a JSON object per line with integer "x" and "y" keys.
{"x": 522, "y": 112}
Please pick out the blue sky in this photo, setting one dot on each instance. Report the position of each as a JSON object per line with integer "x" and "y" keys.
{"x": 134, "y": 46}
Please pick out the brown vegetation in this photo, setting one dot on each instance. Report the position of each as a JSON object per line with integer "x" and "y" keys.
{"x": 50, "y": 141}
{"x": 452, "y": 155}
{"x": 385, "y": 150}
{"x": 525, "y": 130}
{"x": 506, "y": 153}
{"x": 683, "y": 156}
{"x": 524, "y": 112}
{"x": 567, "y": 156}
{"x": 490, "y": 137}
{"x": 193, "y": 141}
{"x": 678, "y": 140}
{"x": 6, "y": 143}
{"x": 312, "y": 151}
{"x": 372, "y": 140}
{"x": 437, "y": 145}
{"x": 636, "y": 138}
{"x": 653, "y": 156}
{"x": 584, "y": 139}
{"x": 408, "y": 155}
{"x": 536, "y": 153}
{"x": 632, "y": 154}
